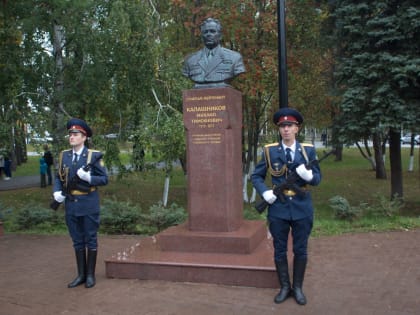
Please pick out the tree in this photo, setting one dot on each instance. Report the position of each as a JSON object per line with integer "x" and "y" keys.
{"x": 378, "y": 72}
{"x": 14, "y": 87}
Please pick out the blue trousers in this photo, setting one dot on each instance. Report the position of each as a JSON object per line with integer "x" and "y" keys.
{"x": 301, "y": 229}
{"x": 83, "y": 231}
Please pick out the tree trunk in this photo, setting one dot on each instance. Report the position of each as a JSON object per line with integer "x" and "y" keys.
{"x": 379, "y": 161}
{"x": 166, "y": 190}
{"x": 58, "y": 121}
{"x": 396, "y": 165}
{"x": 367, "y": 155}
{"x": 245, "y": 187}
{"x": 411, "y": 162}
{"x": 338, "y": 153}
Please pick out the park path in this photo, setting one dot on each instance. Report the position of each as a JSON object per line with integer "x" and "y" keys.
{"x": 368, "y": 273}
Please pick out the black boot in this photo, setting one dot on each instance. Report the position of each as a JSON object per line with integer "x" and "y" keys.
{"x": 282, "y": 269}
{"x": 299, "y": 267}
{"x": 91, "y": 264}
{"x": 81, "y": 269}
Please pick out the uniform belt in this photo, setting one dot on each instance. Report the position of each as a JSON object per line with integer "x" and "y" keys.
{"x": 80, "y": 193}
{"x": 289, "y": 192}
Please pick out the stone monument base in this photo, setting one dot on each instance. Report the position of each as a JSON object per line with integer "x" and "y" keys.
{"x": 193, "y": 257}
{"x": 242, "y": 241}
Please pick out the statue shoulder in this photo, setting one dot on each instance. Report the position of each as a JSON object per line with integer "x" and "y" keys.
{"x": 193, "y": 56}
{"x": 230, "y": 53}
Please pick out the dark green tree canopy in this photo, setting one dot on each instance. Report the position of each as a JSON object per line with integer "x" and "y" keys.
{"x": 378, "y": 66}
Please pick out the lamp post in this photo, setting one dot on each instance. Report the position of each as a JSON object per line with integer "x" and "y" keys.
{"x": 282, "y": 58}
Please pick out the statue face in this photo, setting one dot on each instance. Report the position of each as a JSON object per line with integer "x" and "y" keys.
{"x": 211, "y": 35}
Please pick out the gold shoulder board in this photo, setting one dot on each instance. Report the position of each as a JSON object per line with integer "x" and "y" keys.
{"x": 271, "y": 144}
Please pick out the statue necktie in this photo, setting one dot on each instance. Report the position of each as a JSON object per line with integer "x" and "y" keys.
{"x": 289, "y": 155}
{"x": 209, "y": 57}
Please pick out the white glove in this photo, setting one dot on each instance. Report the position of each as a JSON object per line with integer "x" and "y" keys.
{"x": 269, "y": 196}
{"x": 84, "y": 175}
{"x": 304, "y": 173}
{"x": 58, "y": 196}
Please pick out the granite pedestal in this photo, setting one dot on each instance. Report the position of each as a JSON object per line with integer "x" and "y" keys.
{"x": 215, "y": 245}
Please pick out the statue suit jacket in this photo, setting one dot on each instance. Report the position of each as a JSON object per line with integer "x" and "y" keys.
{"x": 224, "y": 65}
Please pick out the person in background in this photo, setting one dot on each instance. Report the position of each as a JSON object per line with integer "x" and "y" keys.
{"x": 289, "y": 211}
{"x": 80, "y": 172}
{"x": 7, "y": 167}
{"x": 43, "y": 172}
{"x": 49, "y": 160}
{"x": 1, "y": 163}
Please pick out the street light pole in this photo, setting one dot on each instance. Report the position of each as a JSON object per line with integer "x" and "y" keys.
{"x": 282, "y": 58}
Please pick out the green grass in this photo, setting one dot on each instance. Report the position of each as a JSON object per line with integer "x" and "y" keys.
{"x": 352, "y": 179}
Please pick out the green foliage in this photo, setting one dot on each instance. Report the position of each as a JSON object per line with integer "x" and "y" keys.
{"x": 251, "y": 214}
{"x": 162, "y": 217}
{"x": 380, "y": 207}
{"x": 33, "y": 215}
{"x": 119, "y": 217}
{"x": 377, "y": 53}
{"x": 163, "y": 133}
{"x": 5, "y": 212}
{"x": 343, "y": 210}
{"x": 111, "y": 156}
{"x": 385, "y": 207}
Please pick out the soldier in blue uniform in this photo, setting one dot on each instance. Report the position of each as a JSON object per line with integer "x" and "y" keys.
{"x": 78, "y": 189}
{"x": 293, "y": 209}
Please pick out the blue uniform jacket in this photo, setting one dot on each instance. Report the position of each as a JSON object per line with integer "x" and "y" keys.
{"x": 296, "y": 207}
{"x": 80, "y": 205}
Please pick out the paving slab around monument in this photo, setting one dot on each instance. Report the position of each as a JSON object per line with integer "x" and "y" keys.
{"x": 369, "y": 273}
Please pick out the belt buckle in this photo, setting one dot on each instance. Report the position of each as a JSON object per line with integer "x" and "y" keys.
{"x": 289, "y": 193}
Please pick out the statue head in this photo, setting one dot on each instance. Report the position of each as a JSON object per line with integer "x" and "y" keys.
{"x": 211, "y": 32}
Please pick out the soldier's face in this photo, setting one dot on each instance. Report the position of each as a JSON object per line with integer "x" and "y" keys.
{"x": 76, "y": 139}
{"x": 288, "y": 132}
{"x": 210, "y": 34}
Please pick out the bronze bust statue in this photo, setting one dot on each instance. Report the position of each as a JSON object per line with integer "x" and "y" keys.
{"x": 213, "y": 65}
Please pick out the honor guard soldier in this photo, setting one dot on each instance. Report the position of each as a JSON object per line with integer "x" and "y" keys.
{"x": 292, "y": 209}
{"x": 80, "y": 172}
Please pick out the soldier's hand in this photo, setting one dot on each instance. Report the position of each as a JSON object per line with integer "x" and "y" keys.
{"x": 84, "y": 175}
{"x": 58, "y": 196}
{"x": 304, "y": 173}
{"x": 269, "y": 196}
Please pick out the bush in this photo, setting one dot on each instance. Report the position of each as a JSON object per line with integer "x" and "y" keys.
{"x": 385, "y": 207}
{"x": 123, "y": 217}
{"x": 6, "y": 214}
{"x": 34, "y": 215}
{"x": 162, "y": 218}
{"x": 343, "y": 210}
{"x": 119, "y": 217}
